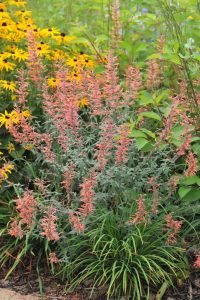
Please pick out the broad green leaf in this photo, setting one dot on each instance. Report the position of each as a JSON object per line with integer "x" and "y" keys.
{"x": 177, "y": 131}
{"x": 196, "y": 148}
{"x": 148, "y": 132}
{"x": 183, "y": 191}
{"x": 148, "y": 147}
{"x": 172, "y": 57}
{"x": 151, "y": 115}
{"x": 126, "y": 45}
{"x": 176, "y": 142}
{"x": 154, "y": 56}
{"x": 163, "y": 95}
{"x": 190, "y": 180}
{"x": 137, "y": 133}
{"x": 145, "y": 98}
{"x": 141, "y": 142}
{"x": 192, "y": 196}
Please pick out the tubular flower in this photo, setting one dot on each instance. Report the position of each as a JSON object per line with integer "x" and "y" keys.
{"x": 197, "y": 262}
{"x": 87, "y": 195}
{"x": 75, "y": 222}
{"x": 15, "y": 229}
{"x": 123, "y": 144}
{"x": 140, "y": 215}
{"x": 174, "y": 226}
{"x": 53, "y": 258}
{"x": 26, "y": 206}
{"x": 192, "y": 163}
{"x": 48, "y": 225}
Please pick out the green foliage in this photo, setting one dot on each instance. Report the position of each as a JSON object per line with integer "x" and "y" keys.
{"x": 125, "y": 259}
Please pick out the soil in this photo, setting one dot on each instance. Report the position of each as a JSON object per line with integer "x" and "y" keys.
{"x": 6, "y": 294}
{"x": 24, "y": 285}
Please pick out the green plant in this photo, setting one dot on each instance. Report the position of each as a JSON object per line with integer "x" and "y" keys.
{"x": 127, "y": 260}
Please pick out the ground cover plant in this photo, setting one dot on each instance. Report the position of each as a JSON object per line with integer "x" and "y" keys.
{"x": 100, "y": 146}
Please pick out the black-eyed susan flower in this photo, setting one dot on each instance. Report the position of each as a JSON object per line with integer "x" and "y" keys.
{"x": 83, "y": 102}
{"x": 42, "y": 49}
{"x": 10, "y": 147}
{"x": 53, "y": 82}
{"x": 26, "y": 113}
{"x": 5, "y": 170}
{"x": 86, "y": 61}
{"x": 4, "y": 55}
{"x": 23, "y": 13}
{"x": 49, "y": 32}
{"x": 28, "y": 147}
{"x": 62, "y": 38}
{"x": 19, "y": 54}
{"x": 74, "y": 75}
{"x": 58, "y": 54}
{"x": 8, "y": 85}
{"x": 17, "y": 3}
{"x": 73, "y": 62}
{"x": 15, "y": 37}
{"x": 7, "y": 119}
{"x": 5, "y": 65}
{"x": 2, "y": 7}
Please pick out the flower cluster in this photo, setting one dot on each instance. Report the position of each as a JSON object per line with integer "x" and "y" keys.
{"x": 174, "y": 227}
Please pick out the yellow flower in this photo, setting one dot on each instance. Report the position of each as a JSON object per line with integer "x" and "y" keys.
{"x": 2, "y": 7}
{"x": 11, "y": 86}
{"x": 53, "y": 82}
{"x": 49, "y": 32}
{"x": 23, "y": 13}
{"x": 83, "y": 102}
{"x": 42, "y": 49}
{"x": 190, "y": 17}
{"x": 86, "y": 61}
{"x": 28, "y": 147}
{"x": 58, "y": 54}
{"x": 19, "y": 54}
{"x": 10, "y": 147}
{"x": 73, "y": 76}
{"x": 26, "y": 113}
{"x": 15, "y": 37}
{"x": 6, "y": 65}
{"x": 5, "y": 171}
{"x": 8, "y": 118}
{"x": 16, "y": 2}
{"x": 4, "y": 55}
{"x": 13, "y": 97}
{"x": 73, "y": 62}
{"x": 63, "y": 38}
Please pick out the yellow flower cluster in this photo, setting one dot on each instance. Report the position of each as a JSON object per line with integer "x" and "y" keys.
{"x": 5, "y": 170}
{"x": 16, "y": 24}
{"x": 13, "y": 117}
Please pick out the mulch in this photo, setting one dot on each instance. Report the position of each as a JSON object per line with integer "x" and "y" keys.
{"x": 27, "y": 283}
